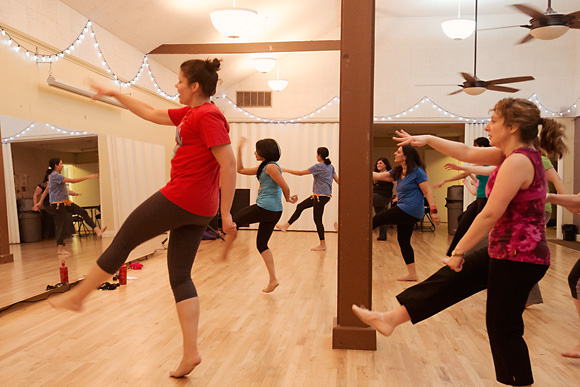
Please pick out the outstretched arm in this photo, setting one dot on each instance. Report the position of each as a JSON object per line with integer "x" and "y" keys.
{"x": 471, "y": 169}
{"x": 383, "y": 176}
{"x": 240, "y": 166}
{"x": 428, "y": 193}
{"x": 79, "y": 179}
{"x": 224, "y": 155}
{"x": 457, "y": 150}
{"x": 459, "y": 176}
{"x": 570, "y": 202}
{"x": 141, "y": 109}
{"x": 296, "y": 172}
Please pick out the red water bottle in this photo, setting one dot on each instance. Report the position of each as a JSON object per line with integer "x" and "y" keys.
{"x": 63, "y": 273}
{"x": 123, "y": 275}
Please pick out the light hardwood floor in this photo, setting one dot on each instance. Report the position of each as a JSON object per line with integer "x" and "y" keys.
{"x": 131, "y": 336}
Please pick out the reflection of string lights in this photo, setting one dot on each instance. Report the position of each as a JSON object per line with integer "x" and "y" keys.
{"x": 563, "y": 112}
{"x": 23, "y": 132}
{"x": 67, "y": 51}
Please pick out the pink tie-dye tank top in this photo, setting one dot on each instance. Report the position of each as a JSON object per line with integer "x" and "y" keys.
{"x": 519, "y": 234}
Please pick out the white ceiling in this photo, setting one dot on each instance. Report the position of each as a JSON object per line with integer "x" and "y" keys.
{"x": 147, "y": 24}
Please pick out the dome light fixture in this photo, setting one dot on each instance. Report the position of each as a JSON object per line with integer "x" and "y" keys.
{"x": 458, "y": 29}
{"x": 549, "y": 32}
{"x": 475, "y": 90}
{"x": 235, "y": 22}
{"x": 264, "y": 65}
{"x": 277, "y": 84}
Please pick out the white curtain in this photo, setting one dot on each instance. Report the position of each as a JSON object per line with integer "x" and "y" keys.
{"x": 298, "y": 143}
{"x": 12, "y": 211}
{"x": 472, "y": 131}
{"x": 137, "y": 171}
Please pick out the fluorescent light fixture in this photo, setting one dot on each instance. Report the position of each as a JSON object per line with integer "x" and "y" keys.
{"x": 549, "y": 32}
{"x": 85, "y": 93}
{"x": 458, "y": 29}
{"x": 235, "y": 22}
{"x": 278, "y": 84}
{"x": 264, "y": 65}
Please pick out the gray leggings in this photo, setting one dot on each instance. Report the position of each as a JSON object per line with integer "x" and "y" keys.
{"x": 155, "y": 216}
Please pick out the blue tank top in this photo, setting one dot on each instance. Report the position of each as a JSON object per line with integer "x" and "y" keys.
{"x": 269, "y": 193}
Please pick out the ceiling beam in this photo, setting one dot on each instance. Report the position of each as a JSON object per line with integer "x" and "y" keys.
{"x": 247, "y": 48}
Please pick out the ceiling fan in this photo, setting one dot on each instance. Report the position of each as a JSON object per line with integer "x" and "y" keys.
{"x": 548, "y": 25}
{"x": 475, "y": 86}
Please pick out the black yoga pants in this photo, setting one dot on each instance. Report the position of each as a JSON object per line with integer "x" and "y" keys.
{"x": 61, "y": 212}
{"x": 318, "y": 202}
{"x": 155, "y": 216}
{"x": 508, "y": 284}
{"x": 405, "y": 224}
{"x": 267, "y": 221}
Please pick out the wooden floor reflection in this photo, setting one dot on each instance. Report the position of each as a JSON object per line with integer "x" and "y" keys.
{"x": 36, "y": 265}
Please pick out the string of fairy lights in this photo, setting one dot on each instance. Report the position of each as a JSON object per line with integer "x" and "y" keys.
{"x": 88, "y": 30}
{"x": 56, "y": 129}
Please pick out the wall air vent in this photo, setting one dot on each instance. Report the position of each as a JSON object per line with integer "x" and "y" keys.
{"x": 254, "y": 98}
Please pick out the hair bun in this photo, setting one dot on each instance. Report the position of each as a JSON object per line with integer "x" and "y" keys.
{"x": 213, "y": 64}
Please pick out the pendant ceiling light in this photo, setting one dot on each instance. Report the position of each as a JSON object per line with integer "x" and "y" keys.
{"x": 277, "y": 84}
{"x": 458, "y": 29}
{"x": 235, "y": 22}
{"x": 264, "y": 65}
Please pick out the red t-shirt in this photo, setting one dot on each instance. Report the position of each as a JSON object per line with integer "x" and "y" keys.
{"x": 195, "y": 173}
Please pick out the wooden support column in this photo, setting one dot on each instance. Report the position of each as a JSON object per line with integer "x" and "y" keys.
{"x": 5, "y": 256}
{"x": 355, "y": 200}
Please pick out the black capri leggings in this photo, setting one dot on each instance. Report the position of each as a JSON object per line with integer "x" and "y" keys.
{"x": 574, "y": 280}
{"x": 154, "y": 216}
{"x": 405, "y": 224}
{"x": 61, "y": 212}
{"x": 318, "y": 202}
{"x": 508, "y": 284}
{"x": 266, "y": 218}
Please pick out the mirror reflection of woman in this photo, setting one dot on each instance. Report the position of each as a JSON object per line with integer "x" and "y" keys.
{"x": 61, "y": 205}
{"x": 382, "y": 194}
{"x": 412, "y": 190}
{"x": 268, "y": 208}
{"x": 323, "y": 173}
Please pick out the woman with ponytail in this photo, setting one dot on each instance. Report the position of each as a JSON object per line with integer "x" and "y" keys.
{"x": 60, "y": 204}
{"x": 184, "y": 206}
{"x": 323, "y": 173}
{"x": 517, "y": 256}
{"x": 268, "y": 208}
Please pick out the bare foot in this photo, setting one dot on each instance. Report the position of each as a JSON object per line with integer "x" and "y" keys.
{"x": 283, "y": 227}
{"x": 271, "y": 286}
{"x": 187, "y": 365}
{"x": 318, "y": 248}
{"x": 336, "y": 226}
{"x": 374, "y": 319}
{"x": 573, "y": 353}
{"x": 65, "y": 301}
{"x": 100, "y": 231}
{"x": 410, "y": 277}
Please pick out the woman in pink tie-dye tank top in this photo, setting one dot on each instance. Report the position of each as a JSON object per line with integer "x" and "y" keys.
{"x": 517, "y": 256}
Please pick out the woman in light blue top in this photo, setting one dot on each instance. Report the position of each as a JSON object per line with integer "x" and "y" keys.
{"x": 323, "y": 173}
{"x": 268, "y": 208}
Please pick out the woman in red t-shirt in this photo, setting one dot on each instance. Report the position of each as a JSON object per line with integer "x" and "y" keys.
{"x": 184, "y": 206}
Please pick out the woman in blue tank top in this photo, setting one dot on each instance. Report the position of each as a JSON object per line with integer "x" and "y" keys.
{"x": 268, "y": 208}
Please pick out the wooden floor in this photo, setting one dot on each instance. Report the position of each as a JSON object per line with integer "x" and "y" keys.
{"x": 131, "y": 337}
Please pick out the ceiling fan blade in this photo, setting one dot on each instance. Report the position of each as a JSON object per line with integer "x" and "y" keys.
{"x": 456, "y": 92}
{"x": 573, "y": 15}
{"x": 468, "y": 77}
{"x": 576, "y": 24}
{"x": 510, "y": 80}
{"x": 526, "y": 39}
{"x": 501, "y": 28}
{"x": 502, "y": 88}
{"x": 534, "y": 13}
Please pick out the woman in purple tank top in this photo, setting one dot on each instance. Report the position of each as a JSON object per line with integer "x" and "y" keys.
{"x": 517, "y": 256}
